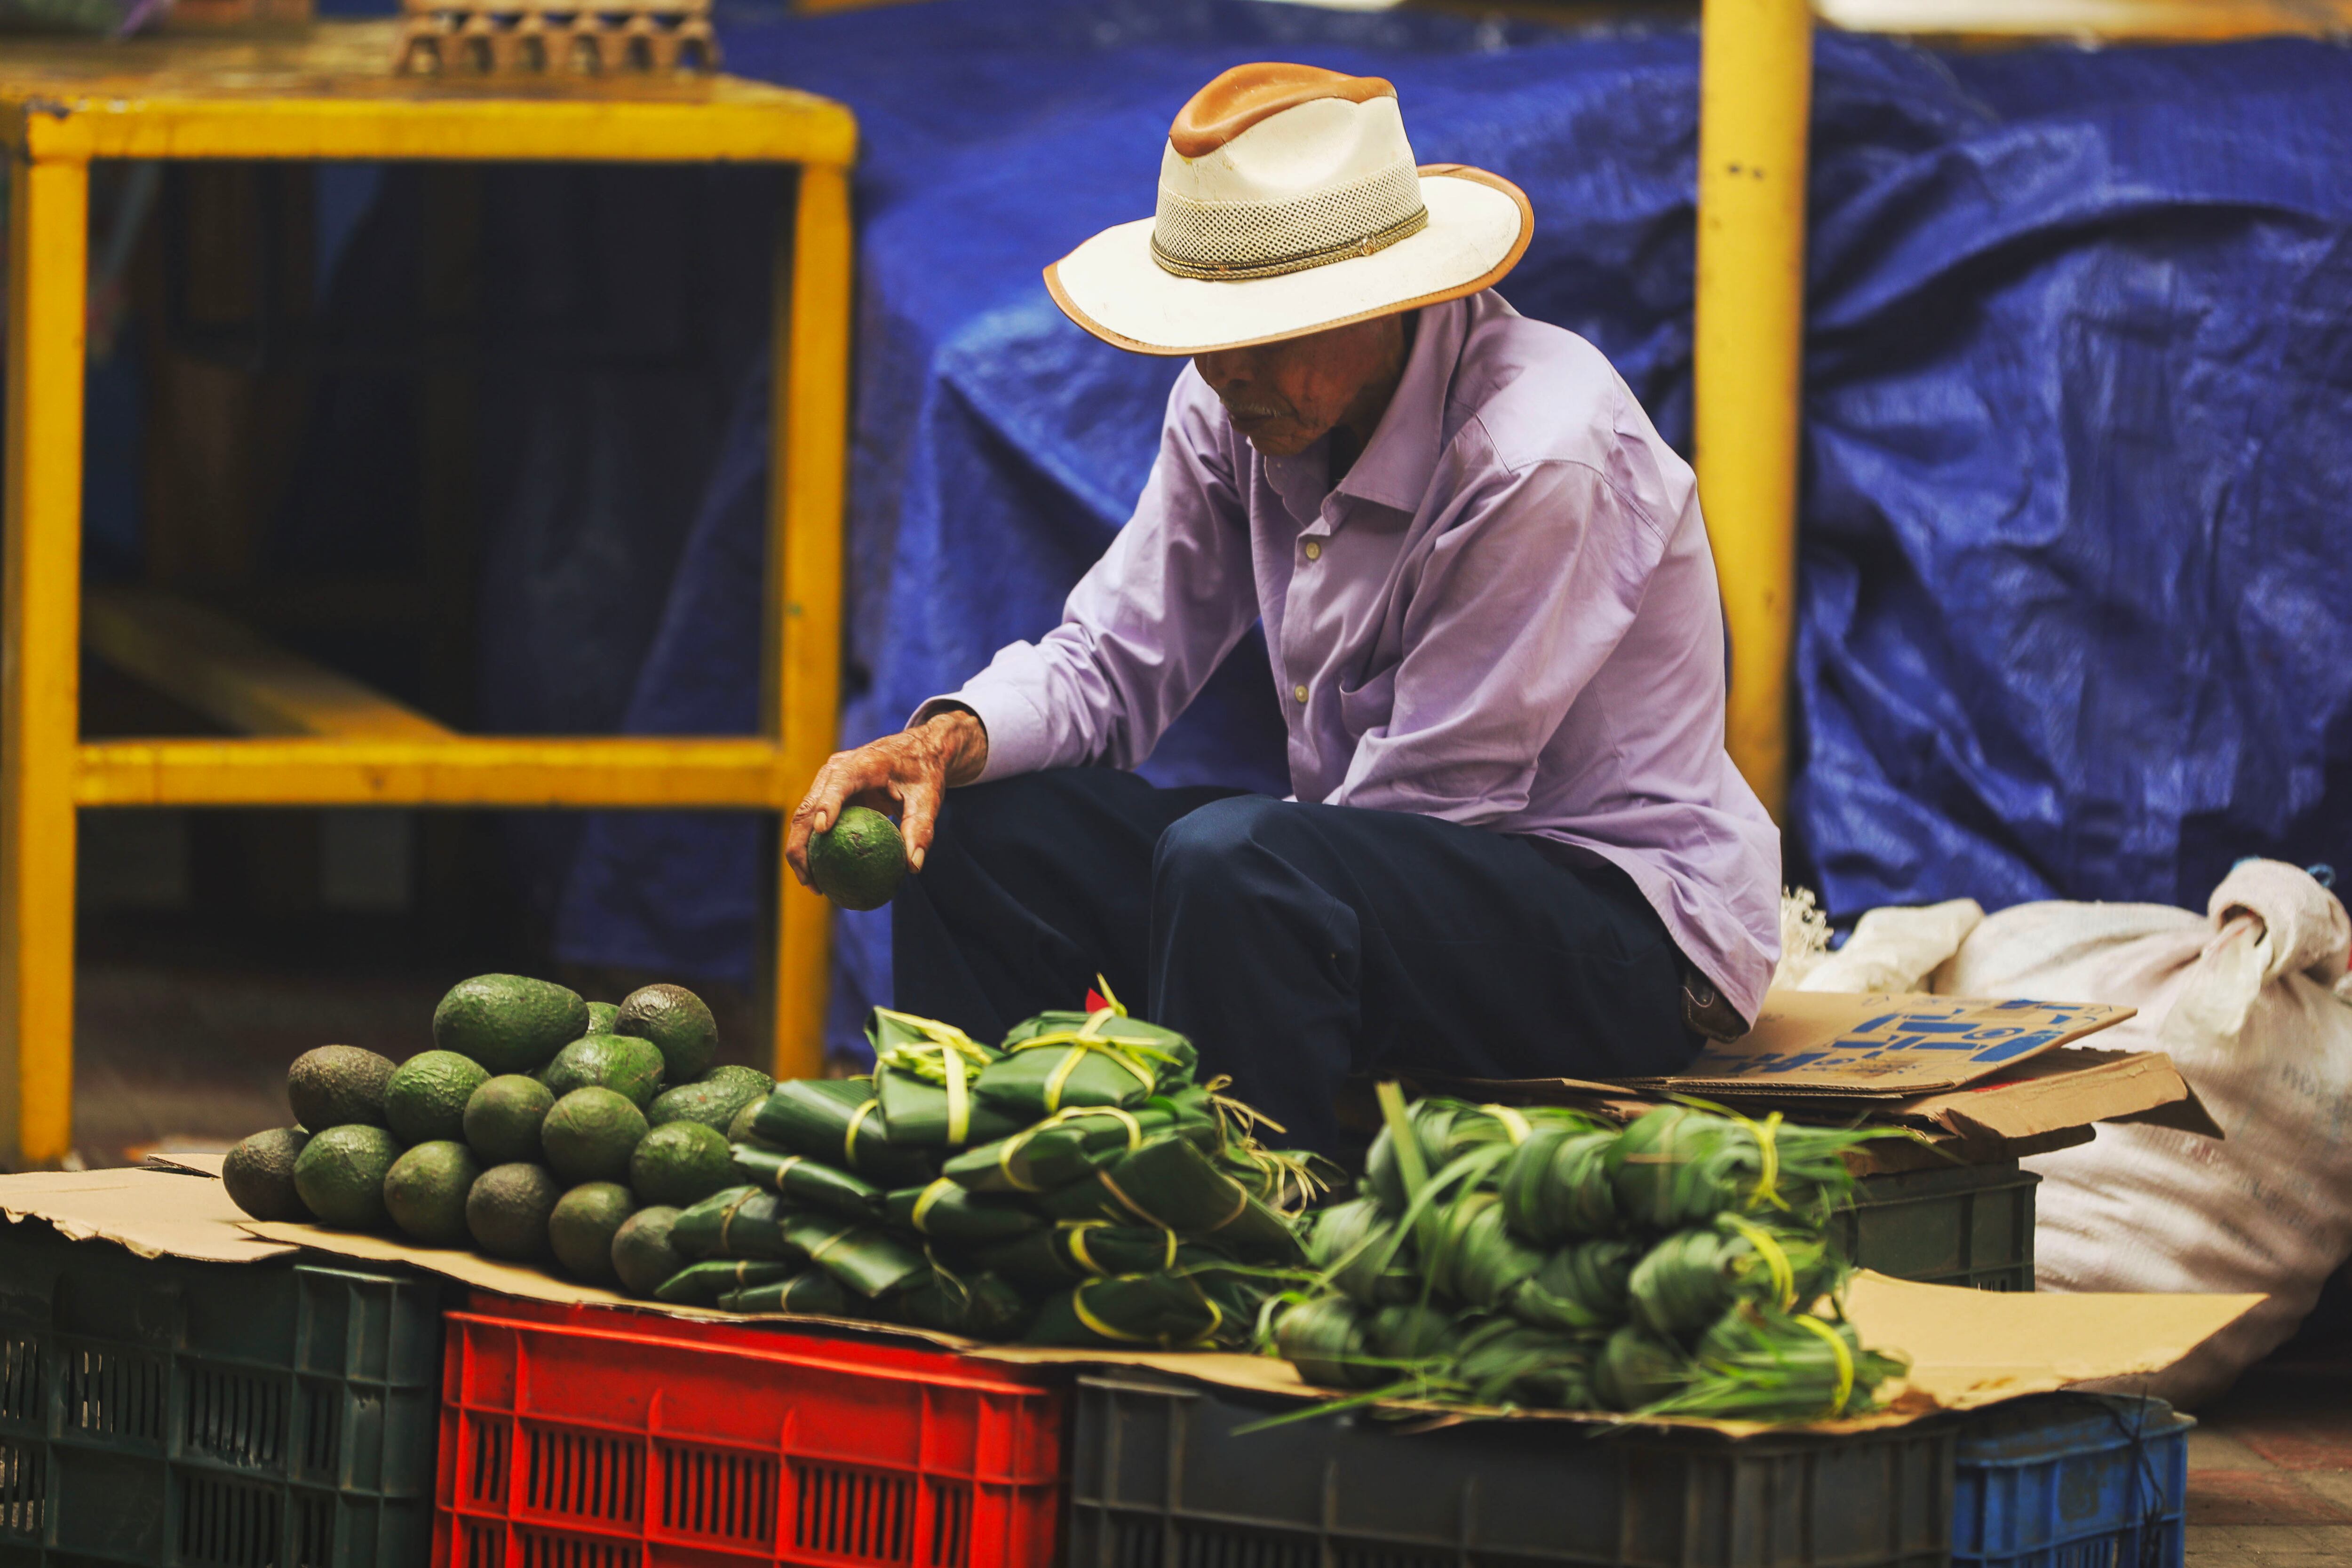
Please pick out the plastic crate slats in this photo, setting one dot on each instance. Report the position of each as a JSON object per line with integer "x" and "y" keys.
{"x": 1968, "y": 1225}
{"x": 227, "y": 1525}
{"x": 686, "y": 1444}
{"x": 22, "y": 1488}
{"x": 719, "y": 1493}
{"x": 583, "y": 1475}
{"x": 20, "y": 1380}
{"x": 1159, "y": 1480}
{"x": 117, "y": 1394}
{"x": 2073, "y": 1482}
{"x": 236, "y": 1417}
{"x": 859, "y": 1516}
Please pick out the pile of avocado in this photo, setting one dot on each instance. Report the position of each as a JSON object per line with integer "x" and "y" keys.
{"x": 541, "y": 1127}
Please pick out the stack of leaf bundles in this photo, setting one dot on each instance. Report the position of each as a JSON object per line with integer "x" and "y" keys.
{"x": 1073, "y": 1185}
{"x": 1544, "y": 1258}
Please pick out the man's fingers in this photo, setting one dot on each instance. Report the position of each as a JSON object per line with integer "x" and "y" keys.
{"x": 921, "y": 810}
{"x": 817, "y": 810}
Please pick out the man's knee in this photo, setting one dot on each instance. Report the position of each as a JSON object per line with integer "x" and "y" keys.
{"x": 1211, "y": 850}
{"x": 1008, "y": 816}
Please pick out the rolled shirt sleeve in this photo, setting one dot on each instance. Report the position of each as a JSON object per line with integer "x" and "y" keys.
{"x": 1143, "y": 630}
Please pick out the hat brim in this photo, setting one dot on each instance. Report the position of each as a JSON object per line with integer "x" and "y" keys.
{"x": 1480, "y": 225}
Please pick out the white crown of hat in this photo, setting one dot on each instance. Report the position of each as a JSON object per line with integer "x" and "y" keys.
{"x": 1314, "y": 183}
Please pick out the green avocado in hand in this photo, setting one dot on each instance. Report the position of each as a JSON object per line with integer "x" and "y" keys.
{"x": 859, "y": 862}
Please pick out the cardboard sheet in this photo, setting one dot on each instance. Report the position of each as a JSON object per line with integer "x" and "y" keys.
{"x": 1883, "y": 1045}
{"x": 155, "y": 1211}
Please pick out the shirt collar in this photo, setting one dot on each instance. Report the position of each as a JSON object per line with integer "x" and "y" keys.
{"x": 1398, "y": 463}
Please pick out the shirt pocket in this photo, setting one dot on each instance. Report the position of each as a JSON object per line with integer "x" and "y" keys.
{"x": 1367, "y": 706}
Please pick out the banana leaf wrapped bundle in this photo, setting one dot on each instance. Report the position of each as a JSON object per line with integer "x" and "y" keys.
{"x": 1071, "y": 1146}
{"x": 952, "y": 1212}
{"x": 1190, "y": 1310}
{"x": 1360, "y": 1246}
{"x": 1761, "y": 1366}
{"x": 808, "y": 1290}
{"x": 1059, "y": 1059}
{"x": 1636, "y": 1369}
{"x": 738, "y": 1222}
{"x": 1328, "y": 1340}
{"x": 1169, "y": 1183}
{"x": 1407, "y": 1332}
{"x": 1580, "y": 1289}
{"x": 1506, "y": 1362}
{"x": 1286, "y": 1180}
{"x": 838, "y": 1121}
{"x": 1076, "y": 1249}
{"x": 1447, "y": 1129}
{"x": 1679, "y": 1166}
{"x": 707, "y": 1284}
{"x": 1475, "y": 1259}
{"x": 1689, "y": 1280}
{"x": 1557, "y": 1186}
{"x": 872, "y": 1263}
{"x": 923, "y": 1075}
{"x": 808, "y": 1183}
{"x": 978, "y": 1303}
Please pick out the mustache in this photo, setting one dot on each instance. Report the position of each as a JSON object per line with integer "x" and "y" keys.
{"x": 1255, "y": 410}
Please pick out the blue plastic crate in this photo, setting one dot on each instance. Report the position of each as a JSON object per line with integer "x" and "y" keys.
{"x": 2071, "y": 1481}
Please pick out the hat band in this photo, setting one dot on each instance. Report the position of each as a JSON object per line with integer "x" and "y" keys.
{"x": 1231, "y": 241}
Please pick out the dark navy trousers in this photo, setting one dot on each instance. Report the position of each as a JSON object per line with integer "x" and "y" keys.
{"x": 1295, "y": 944}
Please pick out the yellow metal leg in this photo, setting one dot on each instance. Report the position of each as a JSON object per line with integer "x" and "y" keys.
{"x": 1755, "y": 104}
{"x": 809, "y": 451}
{"x": 39, "y": 650}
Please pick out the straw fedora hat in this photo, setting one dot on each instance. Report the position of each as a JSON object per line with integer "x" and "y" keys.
{"x": 1289, "y": 203}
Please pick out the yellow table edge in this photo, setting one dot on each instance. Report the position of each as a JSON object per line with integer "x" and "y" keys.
{"x": 54, "y": 119}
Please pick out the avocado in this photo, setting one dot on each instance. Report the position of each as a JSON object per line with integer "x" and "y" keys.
{"x": 581, "y": 1227}
{"x": 502, "y": 1118}
{"x": 859, "y": 862}
{"x": 506, "y": 1212}
{"x": 336, "y": 1086}
{"x": 681, "y": 1163}
{"x": 616, "y": 1061}
{"x": 590, "y": 1134}
{"x": 425, "y": 1100}
{"x": 602, "y": 1017}
{"x": 736, "y": 1073}
{"x": 642, "y": 1254}
{"x": 509, "y": 1023}
{"x": 259, "y": 1174}
{"x": 712, "y": 1104}
{"x": 426, "y": 1191}
{"x": 339, "y": 1174}
{"x": 677, "y": 1022}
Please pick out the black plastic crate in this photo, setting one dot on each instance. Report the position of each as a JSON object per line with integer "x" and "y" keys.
{"x": 1957, "y": 1225}
{"x": 161, "y": 1413}
{"x": 1159, "y": 1480}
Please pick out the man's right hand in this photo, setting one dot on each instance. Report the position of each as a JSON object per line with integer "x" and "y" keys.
{"x": 909, "y": 771}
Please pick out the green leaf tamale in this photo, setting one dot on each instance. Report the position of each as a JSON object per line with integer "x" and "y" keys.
{"x": 872, "y": 1263}
{"x": 838, "y": 1121}
{"x": 1076, "y": 1249}
{"x": 739, "y": 1222}
{"x": 1169, "y": 1183}
{"x": 1679, "y": 1166}
{"x": 810, "y": 1183}
{"x": 702, "y": 1284}
{"x": 1579, "y": 1288}
{"x": 923, "y": 1076}
{"x": 1763, "y": 1366}
{"x": 1163, "y": 1311}
{"x": 1691, "y": 1277}
{"x": 1373, "y": 1263}
{"x": 1327, "y": 1340}
{"x": 952, "y": 1212}
{"x": 809, "y": 1291}
{"x": 977, "y": 1303}
{"x": 1556, "y": 1186}
{"x": 1636, "y": 1369}
{"x": 1059, "y": 1059}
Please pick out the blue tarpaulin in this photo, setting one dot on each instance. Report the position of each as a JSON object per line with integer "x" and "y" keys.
{"x": 2076, "y": 613}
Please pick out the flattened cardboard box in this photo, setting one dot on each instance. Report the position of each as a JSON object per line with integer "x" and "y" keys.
{"x": 1967, "y": 1347}
{"x": 1882, "y": 1045}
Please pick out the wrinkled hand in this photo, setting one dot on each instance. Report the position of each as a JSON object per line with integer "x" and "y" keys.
{"x": 909, "y": 771}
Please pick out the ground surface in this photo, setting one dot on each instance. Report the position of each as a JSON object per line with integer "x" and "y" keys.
{"x": 2270, "y": 1468}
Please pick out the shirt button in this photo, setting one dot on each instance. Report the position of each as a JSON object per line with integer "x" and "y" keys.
{"x": 1300, "y": 691}
{"x": 1314, "y": 549}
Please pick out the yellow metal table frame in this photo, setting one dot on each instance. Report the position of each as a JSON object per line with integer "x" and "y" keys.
{"x": 320, "y": 740}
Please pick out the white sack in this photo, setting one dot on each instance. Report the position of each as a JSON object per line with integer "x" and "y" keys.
{"x": 2242, "y": 1000}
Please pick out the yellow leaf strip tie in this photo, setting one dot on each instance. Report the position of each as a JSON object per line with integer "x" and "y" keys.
{"x": 727, "y": 1220}
{"x": 1844, "y": 1360}
{"x": 849, "y": 1138}
{"x": 1513, "y": 1123}
{"x": 1776, "y": 1258}
{"x": 930, "y": 1195}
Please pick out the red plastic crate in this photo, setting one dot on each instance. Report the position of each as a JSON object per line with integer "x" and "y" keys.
{"x": 600, "y": 1437}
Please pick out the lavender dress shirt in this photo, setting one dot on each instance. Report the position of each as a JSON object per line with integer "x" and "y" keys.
{"x": 1504, "y": 615}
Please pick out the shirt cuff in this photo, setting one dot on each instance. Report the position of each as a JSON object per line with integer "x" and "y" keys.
{"x": 1017, "y": 738}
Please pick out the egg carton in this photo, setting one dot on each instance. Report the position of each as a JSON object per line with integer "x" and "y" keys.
{"x": 546, "y": 38}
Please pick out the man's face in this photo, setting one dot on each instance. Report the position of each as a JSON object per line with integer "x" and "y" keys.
{"x": 1286, "y": 396}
